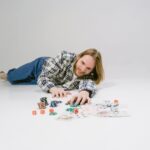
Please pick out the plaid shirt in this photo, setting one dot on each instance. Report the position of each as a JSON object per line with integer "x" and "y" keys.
{"x": 58, "y": 71}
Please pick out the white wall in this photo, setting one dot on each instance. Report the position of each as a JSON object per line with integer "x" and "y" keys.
{"x": 120, "y": 29}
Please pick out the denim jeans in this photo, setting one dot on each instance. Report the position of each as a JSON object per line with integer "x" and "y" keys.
{"x": 27, "y": 73}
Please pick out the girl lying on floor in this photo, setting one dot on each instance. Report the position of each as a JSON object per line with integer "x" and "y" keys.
{"x": 65, "y": 72}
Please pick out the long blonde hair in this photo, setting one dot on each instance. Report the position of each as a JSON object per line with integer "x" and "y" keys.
{"x": 97, "y": 74}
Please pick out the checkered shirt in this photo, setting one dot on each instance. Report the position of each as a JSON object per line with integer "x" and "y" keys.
{"x": 58, "y": 71}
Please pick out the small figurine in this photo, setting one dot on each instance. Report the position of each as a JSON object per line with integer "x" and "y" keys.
{"x": 44, "y": 99}
{"x": 54, "y": 103}
{"x": 41, "y": 105}
{"x": 115, "y": 105}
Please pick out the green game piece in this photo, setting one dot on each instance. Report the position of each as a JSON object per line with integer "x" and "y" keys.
{"x": 53, "y": 113}
{"x": 70, "y": 109}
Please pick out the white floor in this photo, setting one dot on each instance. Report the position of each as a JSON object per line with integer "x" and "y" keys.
{"x": 19, "y": 130}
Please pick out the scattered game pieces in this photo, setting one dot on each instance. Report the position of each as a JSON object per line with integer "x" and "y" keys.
{"x": 112, "y": 106}
{"x": 115, "y": 105}
{"x": 106, "y": 108}
{"x": 73, "y": 110}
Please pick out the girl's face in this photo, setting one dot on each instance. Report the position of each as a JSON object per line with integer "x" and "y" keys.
{"x": 84, "y": 65}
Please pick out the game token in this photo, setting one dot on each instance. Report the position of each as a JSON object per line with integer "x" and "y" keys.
{"x": 54, "y": 103}
{"x": 44, "y": 99}
{"x": 34, "y": 112}
{"x": 41, "y": 105}
{"x": 53, "y": 113}
{"x": 51, "y": 110}
{"x": 70, "y": 109}
{"x": 74, "y": 105}
{"x": 42, "y": 111}
{"x": 76, "y": 111}
{"x": 116, "y": 102}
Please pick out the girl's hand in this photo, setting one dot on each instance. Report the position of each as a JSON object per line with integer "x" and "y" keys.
{"x": 81, "y": 98}
{"x": 58, "y": 92}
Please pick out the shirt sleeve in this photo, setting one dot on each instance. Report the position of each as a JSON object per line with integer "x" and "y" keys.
{"x": 88, "y": 85}
{"x": 50, "y": 69}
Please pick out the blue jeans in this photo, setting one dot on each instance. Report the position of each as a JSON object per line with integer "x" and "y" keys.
{"x": 26, "y": 74}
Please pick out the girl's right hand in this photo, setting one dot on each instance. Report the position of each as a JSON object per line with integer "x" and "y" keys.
{"x": 58, "y": 92}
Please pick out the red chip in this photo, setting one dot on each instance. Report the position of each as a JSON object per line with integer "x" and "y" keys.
{"x": 34, "y": 112}
{"x": 51, "y": 110}
{"x": 76, "y": 111}
{"x": 42, "y": 111}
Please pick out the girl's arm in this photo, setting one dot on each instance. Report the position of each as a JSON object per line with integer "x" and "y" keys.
{"x": 88, "y": 85}
{"x": 87, "y": 89}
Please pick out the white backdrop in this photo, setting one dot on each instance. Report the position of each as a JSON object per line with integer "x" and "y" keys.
{"x": 119, "y": 29}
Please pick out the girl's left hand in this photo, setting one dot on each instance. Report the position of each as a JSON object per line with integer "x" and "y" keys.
{"x": 80, "y": 99}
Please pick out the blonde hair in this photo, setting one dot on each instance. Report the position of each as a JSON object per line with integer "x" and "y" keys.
{"x": 97, "y": 74}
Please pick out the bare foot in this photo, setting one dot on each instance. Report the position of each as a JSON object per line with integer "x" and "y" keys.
{"x": 3, "y": 75}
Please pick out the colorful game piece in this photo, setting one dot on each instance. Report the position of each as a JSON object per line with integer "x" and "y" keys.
{"x": 53, "y": 113}
{"x": 51, "y": 110}
{"x": 76, "y": 111}
{"x": 116, "y": 102}
{"x": 70, "y": 109}
{"x": 73, "y": 110}
{"x": 55, "y": 103}
{"x": 42, "y": 111}
{"x": 41, "y": 105}
{"x": 34, "y": 112}
{"x": 44, "y": 99}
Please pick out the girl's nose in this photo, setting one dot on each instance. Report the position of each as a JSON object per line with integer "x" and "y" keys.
{"x": 83, "y": 69}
